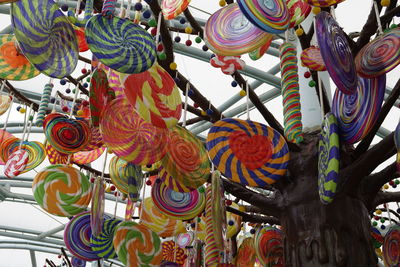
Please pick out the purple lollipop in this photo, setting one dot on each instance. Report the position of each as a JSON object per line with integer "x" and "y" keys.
{"x": 336, "y": 53}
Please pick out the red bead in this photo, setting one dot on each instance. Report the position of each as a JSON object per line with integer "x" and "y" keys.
{"x": 228, "y": 202}
{"x": 148, "y": 182}
{"x": 59, "y": 256}
{"x": 92, "y": 180}
{"x": 83, "y": 70}
{"x": 153, "y": 31}
{"x": 376, "y": 217}
{"x": 112, "y": 188}
{"x": 188, "y": 42}
{"x": 65, "y": 109}
{"x": 116, "y": 193}
{"x": 85, "y": 103}
{"x": 391, "y": 183}
{"x": 195, "y": 105}
{"x": 307, "y": 74}
{"x": 160, "y": 48}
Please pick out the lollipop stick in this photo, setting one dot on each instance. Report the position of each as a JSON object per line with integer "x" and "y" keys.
{"x": 74, "y": 100}
{"x": 116, "y": 203}
{"x": 378, "y": 19}
{"x": 186, "y": 104}
{"x": 247, "y": 101}
{"x": 25, "y": 126}
{"x": 158, "y": 27}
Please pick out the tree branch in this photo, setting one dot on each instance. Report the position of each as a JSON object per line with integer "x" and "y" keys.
{"x": 386, "y": 197}
{"x": 253, "y": 218}
{"x": 20, "y": 96}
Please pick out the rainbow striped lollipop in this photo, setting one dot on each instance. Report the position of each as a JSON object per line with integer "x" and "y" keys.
{"x": 45, "y": 36}
{"x": 14, "y": 65}
{"x": 391, "y": 246}
{"x": 246, "y": 255}
{"x": 129, "y": 136}
{"x": 173, "y": 253}
{"x": 357, "y": 113}
{"x": 154, "y": 95}
{"x": 380, "y": 55}
{"x": 248, "y": 152}
{"x": 102, "y": 244}
{"x": 229, "y": 33}
{"x": 36, "y": 154}
{"x": 172, "y": 8}
{"x": 270, "y": 16}
{"x": 269, "y": 246}
{"x": 259, "y": 52}
{"x": 85, "y": 157}
{"x": 120, "y": 44}
{"x": 336, "y": 53}
{"x": 62, "y": 190}
{"x": 136, "y": 245}
{"x": 55, "y": 157}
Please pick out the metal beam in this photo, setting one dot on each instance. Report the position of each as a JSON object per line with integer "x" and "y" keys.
{"x": 33, "y": 258}
{"x": 51, "y": 232}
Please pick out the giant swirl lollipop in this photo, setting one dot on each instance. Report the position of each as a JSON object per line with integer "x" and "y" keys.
{"x": 269, "y": 246}
{"x": 120, "y": 44}
{"x": 229, "y": 33}
{"x": 336, "y": 53}
{"x": 391, "y": 246}
{"x": 45, "y": 36}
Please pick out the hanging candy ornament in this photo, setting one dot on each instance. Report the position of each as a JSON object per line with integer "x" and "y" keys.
{"x": 77, "y": 262}
{"x": 129, "y": 136}
{"x": 86, "y": 157}
{"x": 4, "y": 135}
{"x": 96, "y": 140}
{"x": 228, "y": 64}
{"x": 234, "y": 222}
{"x": 336, "y": 53}
{"x": 211, "y": 251}
{"x": 114, "y": 81}
{"x": 172, "y": 8}
{"x": 298, "y": 11}
{"x": 229, "y": 33}
{"x": 80, "y": 35}
{"x": 185, "y": 239}
{"x": 312, "y": 59}
{"x": 8, "y": 145}
{"x": 44, "y": 103}
{"x": 61, "y": 190}
{"x": 270, "y": 16}
{"x": 102, "y": 244}
{"x": 391, "y": 246}
{"x": 56, "y": 157}
{"x": 154, "y": 95}
{"x": 248, "y": 152}
{"x": 97, "y": 206}
{"x": 246, "y": 255}
{"x": 45, "y": 37}
{"x": 73, "y": 18}
{"x": 269, "y": 246}
{"x": 13, "y": 64}
{"x": 172, "y": 253}
{"x": 16, "y": 163}
{"x": 36, "y": 154}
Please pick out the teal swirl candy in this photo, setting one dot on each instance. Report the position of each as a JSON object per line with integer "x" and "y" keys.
{"x": 44, "y": 103}
{"x": 45, "y": 36}
{"x": 120, "y": 44}
{"x": 102, "y": 244}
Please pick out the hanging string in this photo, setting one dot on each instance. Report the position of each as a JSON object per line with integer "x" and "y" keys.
{"x": 116, "y": 203}
{"x": 247, "y": 101}
{"x": 55, "y": 102}
{"x": 377, "y": 15}
{"x": 186, "y": 104}
{"x": 388, "y": 212}
{"x": 78, "y": 8}
{"x": 74, "y": 100}
{"x": 128, "y": 10}
{"x": 30, "y": 121}
{"x": 2, "y": 86}
{"x": 143, "y": 197}
{"x": 158, "y": 28}
{"x": 25, "y": 127}
{"x": 333, "y": 13}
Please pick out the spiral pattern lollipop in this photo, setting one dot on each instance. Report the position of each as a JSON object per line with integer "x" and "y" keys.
{"x": 259, "y": 52}
{"x": 108, "y": 8}
{"x": 66, "y": 135}
{"x": 114, "y": 81}
{"x": 176, "y": 205}
{"x": 36, "y": 154}
{"x": 380, "y": 55}
{"x": 45, "y": 37}
{"x": 44, "y": 103}
{"x": 129, "y": 136}
{"x": 158, "y": 222}
{"x": 62, "y": 190}
{"x": 77, "y": 234}
{"x": 246, "y": 255}
{"x": 185, "y": 239}
{"x": 171, "y": 182}
{"x": 270, "y": 16}
{"x": 96, "y": 140}
{"x": 16, "y": 163}
{"x": 186, "y": 159}
{"x": 8, "y": 146}
{"x": 229, "y": 33}
{"x": 100, "y": 95}
{"x": 171, "y": 252}
{"x": 55, "y": 157}
{"x": 102, "y": 244}
{"x": 291, "y": 93}
{"x": 172, "y": 8}
{"x": 312, "y": 59}
{"x": 391, "y": 246}
{"x": 136, "y": 245}
{"x": 298, "y": 11}
{"x": 85, "y": 157}
{"x": 357, "y": 113}
{"x": 269, "y": 246}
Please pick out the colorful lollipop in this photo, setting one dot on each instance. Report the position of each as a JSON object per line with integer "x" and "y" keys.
{"x": 120, "y": 44}
{"x": 77, "y": 237}
{"x": 44, "y": 103}
{"x": 172, "y": 8}
{"x": 234, "y": 222}
{"x": 114, "y": 81}
{"x": 16, "y": 163}
{"x": 185, "y": 239}
{"x": 62, "y": 190}
{"x": 5, "y": 103}
{"x": 270, "y": 16}
{"x": 80, "y": 36}
{"x": 56, "y": 157}
{"x": 246, "y": 255}
{"x": 324, "y": 3}
{"x": 36, "y": 154}
{"x": 298, "y": 11}
{"x": 380, "y": 55}
{"x": 171, "y": 252}
{"x": 336, "y": 53}
{"x": 269, "y": 246}
{"x": 136, "y": 245}
{"x": 248, "y": 152}
{"x": 154, "y": 95}
{"x": 45, "y": 36}
{"x": 186, "y": 159}
{"x": 259, "y": 52}
{"x": 328, "y": 159}
{"x": 291, "y": 93}
{"x": 312, "y": 59}
{"x": 396, "y": 137}
{"x": 228, "y": 64}
{"x": 211, "y": 252}
{"x": 357, "y": 113}
{"x": 77, "y": 262}
{"x": 129, "y": 136}
{"x": 102, "y": 244}
{"x": 391, "y": 246}
{"x": 3, "y": 136}
{"x": 97, "y": 206}
{"x": 176, "y": 205}
{"x": 14, "y": 65}
{"x": 85, "y": 157}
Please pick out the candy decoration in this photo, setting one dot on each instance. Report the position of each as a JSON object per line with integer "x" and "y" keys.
{"x": 218, "y": 213}
{"x": 248, "y": 152}
{"x": 357, "y": 113}
{"x": 391, "y": 246}
{"x": 77, "y": 234}
{"x": 55, "y": 157}
{"x": 102, "y": 244}
{"x": 171, "y": 252}
{"x": 44, "y": 103}
{"x": 173, "y": 183}
{"x": 3, "y": 136}
{"x": 8, "y": 146}
{"x": 211, "y": 252}
{"x": 154, "y": 95}
{"x": 229, "y": 33}
{"x": 36, "y": 154}
{"x": 380, "y": 55}
{"x": 259, "y": 52}
{"x": 233, "y": 229}
{"x": 100, "y": 95}
{"x": 108, "y": 8}
{"x": 172, "y": 8}
{"x": 291, "y": 93}
{"x": 14, "y": 65}
{"x": 120, "y": 44}
{"x": 77, "y": 262}
{"x": 16, "y": 163}
{"x": 324, "y": 3}
{"x": 45, "y": 37}
{"x": 88, "y": 14}
{"x": 185, "y": 239}
{"x": 312, "y": 59}
{"x": 96, "y": 141}
{"x": 86, "y": 157}
{"x": 377, "y": 238}
{"x": 80, "y": 36}
{"x": 186, "y": 159}
{"x": 129, "y": 136}
{"x": 5, "y": 103}
{"x": 176, "y": 205}
{"x": 66, "y": 135}
{"x": 328, "y": 159}
{"x": 114, "y": 81}
{"x": 136, "y": 245}
{"x": 170, "y": 264}
{"x": 127, "y": 177}
{"x": 7, "y": 1}
{"x": 270, "y": 16}
{"x": 158, "y": 222}
{"x": 97, "y": 207}
{"x": 298, "y": 11}
{"x": 246, "y": 255}
{"x": 336, "y": 53}
{"x": 61, "y": 190}
{"x": 228, "y": 64}
{"x": 396, "y": 137}
{"x": 269, "y": 246}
